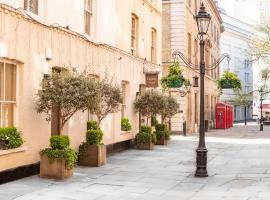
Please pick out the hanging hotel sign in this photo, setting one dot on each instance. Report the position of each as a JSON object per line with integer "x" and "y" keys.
{"x": 151, "y": 80}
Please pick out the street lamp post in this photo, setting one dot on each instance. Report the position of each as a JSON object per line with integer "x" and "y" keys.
{"x": 203, "y": 21}
{"x": 261, "y": 120}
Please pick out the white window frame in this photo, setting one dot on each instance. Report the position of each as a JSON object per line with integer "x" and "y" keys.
{"x": 15, "y": 103}
{"x": 29, "y": 8}
{"x": 88, "y": 12}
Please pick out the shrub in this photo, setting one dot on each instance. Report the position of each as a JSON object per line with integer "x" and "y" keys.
{"x": 59, "y": 142}
{"x": 147, "y": 129}
{"x": 92, "y": 125}
{"x": 162, "y": 131}
{"x": 10, "y": 137}
{"x": 60, "y": 150}
{"x": 125, "y": 124}
{"x": 145, "y": 136}
{"x": 94, "y": 136}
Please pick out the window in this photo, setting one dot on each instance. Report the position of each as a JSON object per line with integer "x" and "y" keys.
{"x": 246, "y": 77}
{"x": 189, "y": 47}
{"x": 88, "y": 4}
{"x": 134, "y": 34}
{"x": 196, "y": 7}
{"x": 196, "y": 108}
{"x": 31, "y": 6}
{"x": 207, "y": 60}
{"x": 189, "y": 3}
{"x": 7, "y": 93}
{"x": 153, "y": 45}
{"x": 124, "y": 94}
{"x": 196, "y": 51}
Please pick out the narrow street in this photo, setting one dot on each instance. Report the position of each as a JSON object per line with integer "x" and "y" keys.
{"x": 239, "y": 169}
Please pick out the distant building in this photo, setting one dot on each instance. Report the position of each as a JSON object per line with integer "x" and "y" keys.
{"x": 180, "y": 33}
{"x": 234, "y": 41}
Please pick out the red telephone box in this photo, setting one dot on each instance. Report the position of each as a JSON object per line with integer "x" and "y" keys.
{"x": 220, "y": 116}
{"x": 224, "y": 116}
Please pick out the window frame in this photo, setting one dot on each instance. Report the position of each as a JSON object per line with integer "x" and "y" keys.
{"x": 124, "y": 91}
{"x": 32, "y": 9}
{"x": 134, "y": 34}
{"x": 88, "y": 14}
{"x": 13, "y": 103}
{"x": 153, "y": 45}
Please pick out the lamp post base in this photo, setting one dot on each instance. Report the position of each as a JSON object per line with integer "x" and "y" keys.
{"x": 201, "y": 170}
{"x": 261, "y": 127}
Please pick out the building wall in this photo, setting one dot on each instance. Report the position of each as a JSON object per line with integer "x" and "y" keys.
{"x": 110, "y": 24}
{"x": 23, "y": 41}
{"x": 234, "y": 41}
{"x": 179, "y": 23}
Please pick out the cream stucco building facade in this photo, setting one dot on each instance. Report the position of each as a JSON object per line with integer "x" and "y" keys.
{"x": 180, "y": 33}
{"x": 119, "y": 38}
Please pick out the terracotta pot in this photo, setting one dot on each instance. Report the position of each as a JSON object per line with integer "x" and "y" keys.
{"x": 149, "y": 146}
{"x": 162, "y": 141}
{"x": 94, "y": 155}
{"x": 54, "y": 168}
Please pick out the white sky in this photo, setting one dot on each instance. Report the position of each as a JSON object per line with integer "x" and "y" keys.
{"x": 244, "y": 10}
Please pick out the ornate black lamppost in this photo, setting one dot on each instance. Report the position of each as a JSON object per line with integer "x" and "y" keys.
{"x": 203, "y": 20}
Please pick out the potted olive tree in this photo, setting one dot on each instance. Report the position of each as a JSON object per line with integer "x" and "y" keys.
{"x": 92, "y": 152}
{"x": 57, "y": 161}
{"x": 68, "y": 92}
{"x": 145, "y": 139}
{"x": 107, "y": 100}
{"x": 167, "y": 108}
{"x": 147, "y": 104}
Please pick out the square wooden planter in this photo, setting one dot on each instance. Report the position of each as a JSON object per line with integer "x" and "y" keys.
{"x": 94, "y": 156}
{"x": 149, "y": 146}
{"x": 54, "y": 168}
{"x": 162, "y": 141}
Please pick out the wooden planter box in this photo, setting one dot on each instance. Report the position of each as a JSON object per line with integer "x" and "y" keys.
{"x": 94, "y": 156}
{"x": 145, "y": 146}
{"x": 162, "y": 141}
{"x": 54, "y": 168}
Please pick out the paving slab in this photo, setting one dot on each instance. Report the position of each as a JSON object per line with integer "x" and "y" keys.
{"x": 238, "y": 167}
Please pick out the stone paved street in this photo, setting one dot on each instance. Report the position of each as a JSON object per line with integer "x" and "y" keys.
{"x": 239, "y": 169}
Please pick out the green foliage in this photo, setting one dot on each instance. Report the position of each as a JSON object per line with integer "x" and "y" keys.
{"x": 242, "y": 99}
{"x": 69, "y": 90}
{"x": 92, "y": 125}
{"x": 59, "y": 142}
{"x": 125, "y": 124}
{"x": 162, "y": 131}
{"x": 94, "y": 136}
{"x": 146, "y": 129}
{"x": 107, "y": 99}
{"x": 168, "y": 107}
{"x": 175, "y": 78}
{"x": 154, "y": 120}
{"x": 147, "y": 103}
{"x": 145, "y": 136}
{"x": 10, "y": 137}
{"x": 60, "y": 150}
{"x": 67, "y": 154}
{"x": 229, "y": 80}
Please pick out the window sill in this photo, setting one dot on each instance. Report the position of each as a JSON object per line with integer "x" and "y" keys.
{"x": 10, "y": 151}
{"x": 125, "y": 132}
